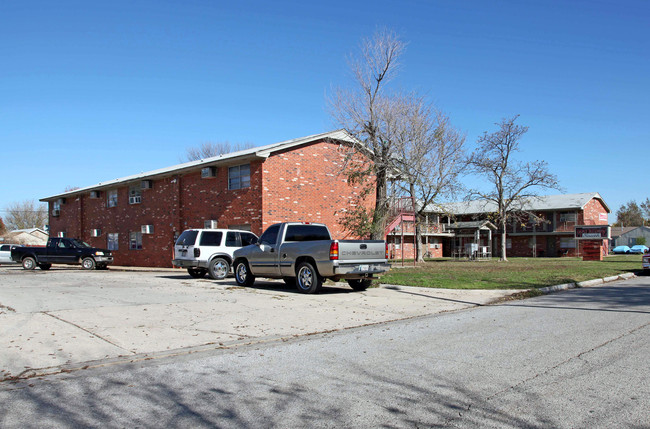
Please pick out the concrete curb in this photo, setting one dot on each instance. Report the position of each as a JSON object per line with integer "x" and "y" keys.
{"x": 586, "y": 283}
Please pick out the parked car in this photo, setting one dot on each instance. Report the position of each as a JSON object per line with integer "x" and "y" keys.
{"x": 639, "y": 248}
{"x": 646, "y": 263}
{"x": 5, "y": 253}
{"x": 304, "y": 254}
{"x": 621, "y": 249}
{"x": 62, "y": 251}
{"x": 209, "y": 251}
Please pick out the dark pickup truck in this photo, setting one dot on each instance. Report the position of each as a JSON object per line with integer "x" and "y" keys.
{"x": 62, "y": 251}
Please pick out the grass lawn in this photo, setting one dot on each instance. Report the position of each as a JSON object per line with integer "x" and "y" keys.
{"x": 517, "y": 273}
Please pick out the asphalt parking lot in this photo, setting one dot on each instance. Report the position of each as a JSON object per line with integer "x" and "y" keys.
{"x": 66, "y": 318}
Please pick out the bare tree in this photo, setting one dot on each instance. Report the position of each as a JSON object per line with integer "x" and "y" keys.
{"x": 511, "y": 182}
{"x": 3, "y": 228}
{"x": 26, "y": 214}
{"x": 430, "y": 157}
{"x": 362, "y": 111}
{"x": 209, "y": 149}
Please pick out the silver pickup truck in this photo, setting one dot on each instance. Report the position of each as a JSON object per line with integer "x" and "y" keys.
{"x": 303, "y": 254}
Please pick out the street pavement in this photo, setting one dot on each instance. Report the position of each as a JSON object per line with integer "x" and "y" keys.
{"x": 575, "y": 359}
{"x": 66, "y": 318}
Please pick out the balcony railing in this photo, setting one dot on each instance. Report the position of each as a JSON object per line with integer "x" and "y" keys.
{"x": 425, "y": 228}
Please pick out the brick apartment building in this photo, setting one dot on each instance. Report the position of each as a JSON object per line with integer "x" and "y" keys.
{"x": 140, "y": 216}
{"x": 547, "y": 227}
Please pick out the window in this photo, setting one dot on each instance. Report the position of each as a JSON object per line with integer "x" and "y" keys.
{"x": 135, "y": 194}
{"x": 567, "y": 243}
{"x": 306, "y": 233}
{"x": 56, "y": 208}
{"x": 270, "y": 236}
{"x": 567, "y": 217}
{"x": 248, "y": 238}
{"x": 187, "y": 238}
{"x": 111, "y": 198}
{"x": 211, "y": 238}
{"x": 233, "y": 239}
{"x": 239, "y": 176}
{"x": 242, "y": 227}
{"x": 112, "y": 241}
{"x": 135, "y": 241}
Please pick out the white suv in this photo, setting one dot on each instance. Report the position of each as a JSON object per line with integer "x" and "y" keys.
{"x": 209, "y": 251}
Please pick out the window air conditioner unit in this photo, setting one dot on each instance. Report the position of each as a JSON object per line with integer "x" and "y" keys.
{"x": 207, "y": 172}
{"x": 210, "y": 224}
{"x": 61, "y": 200}
{"x": 146, "y": 184}
{"x": 95, "y": 194}
{"x": 56, "y": 212}
{"x": 436, "y": 246}
{"x": 62, "y": 234}
{"x": 146, "y": 229}
{"x": 96, "y": 232}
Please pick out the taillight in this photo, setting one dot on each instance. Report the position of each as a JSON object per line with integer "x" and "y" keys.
{"x": 386, "y": 247}
{"x": 334, "y": 251}
{"x": 197, "y": 252}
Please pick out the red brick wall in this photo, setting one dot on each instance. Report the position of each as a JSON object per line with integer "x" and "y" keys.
{"x": 302, "y": 184}
{"x": 406, "y": 248}
{"x": 591, "y": 214}
{"x": 307, "y": 184}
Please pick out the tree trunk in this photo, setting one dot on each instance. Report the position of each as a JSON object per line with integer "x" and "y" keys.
{"x": 418, "y": 241}
{"x": 381, "y": 209}
{"x": 503, "y": 241}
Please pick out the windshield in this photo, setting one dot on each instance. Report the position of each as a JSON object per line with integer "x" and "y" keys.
{"x": 187, "y": 238}
{"x": 79, "y": 243}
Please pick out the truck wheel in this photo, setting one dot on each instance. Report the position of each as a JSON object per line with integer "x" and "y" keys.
{"x": 44, "y": 266}
{"x": 88, "y": 263}
{"x": 196, "y": 273}
{"x": 29, "y": 263}
{"x": 243, "y": 275}
{"x": 307, "y": 278}
{"x": 360, "y": 284}
{"x": 218, "y": 268}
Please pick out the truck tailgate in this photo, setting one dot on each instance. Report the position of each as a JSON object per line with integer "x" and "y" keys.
{"x": 357, "y": 251}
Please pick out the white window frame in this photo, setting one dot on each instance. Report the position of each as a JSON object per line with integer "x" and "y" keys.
{"x": 567, "y": 243}
{"x": 111, "y": 198}
{"x": 135, "y": 241}
{"x": 135, "y": 194}
{"x": 113, "y": 241}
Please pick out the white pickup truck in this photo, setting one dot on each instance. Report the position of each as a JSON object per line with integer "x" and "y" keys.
{"x": 303, "y": 254}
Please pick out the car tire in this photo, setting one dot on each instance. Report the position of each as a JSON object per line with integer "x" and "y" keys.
{"x": 29, "y": 263}
{"x": 218, "y": 269}
{"x": 360, "y": 284}
{"x": 307, "y": 278}
{"x": 88, "y": 263}
{"x": 44, "y": 266}
{"x": 196, "y": 273}
{"x": 243, "y": 275}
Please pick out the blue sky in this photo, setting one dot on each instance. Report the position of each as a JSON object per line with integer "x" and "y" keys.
{"x": 92, "y": 91}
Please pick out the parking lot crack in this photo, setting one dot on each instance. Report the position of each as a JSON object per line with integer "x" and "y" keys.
{"x": 86, "y": 330}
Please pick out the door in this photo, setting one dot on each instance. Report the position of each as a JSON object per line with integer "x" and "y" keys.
{"x": 551, "y": 250}
{"x": 264, "y": 256}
